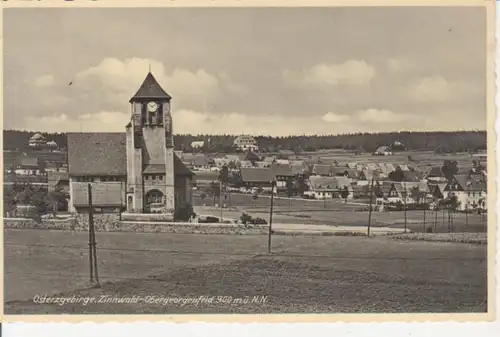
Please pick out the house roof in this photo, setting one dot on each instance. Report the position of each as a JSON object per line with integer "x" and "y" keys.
{"x": 322, "y": 169}
{"x": 104, "y": 154}
{"x": 97, "y": 154}
{"x": 323, "y": 183}
{"x": 256, "y": 174}
{"x": 150, "y": 89}
{"x": 269, "y": 159}
{"x": 436, "y": 172}
{"x": 282, "y": 170}
{"x": 206, "y": 176}
{"x": 251, "y": 156}
{"x": 179, "y": 168}
{"x": 410, "y": 176}
{"x": 369, "y": 174}
{"x": 29, "y": 162}
{"x": 103, "y": 194}
{"x": 381, "y": 149}
{"x": 470, "y": 183}
{"x": 343, "y": 181}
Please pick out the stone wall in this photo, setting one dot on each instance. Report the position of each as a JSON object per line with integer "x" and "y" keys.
{"x": 112, "y": 223}
{"x": 164, "y": 217}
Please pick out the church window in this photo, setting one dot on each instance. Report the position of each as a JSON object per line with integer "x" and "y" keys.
{"x": 161, "y": 177}
{"x": 154, "y": 197}
{"x": 154, "y": 178}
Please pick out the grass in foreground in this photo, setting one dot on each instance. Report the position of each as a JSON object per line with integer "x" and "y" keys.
{"x": 302, "y": 275}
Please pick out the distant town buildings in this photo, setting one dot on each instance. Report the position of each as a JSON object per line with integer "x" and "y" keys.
{"x": 245, "y": 142}
{"x": 38, "y": 142}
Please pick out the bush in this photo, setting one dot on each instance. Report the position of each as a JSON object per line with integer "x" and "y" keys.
{"x": 259, "y": 221}
{"x": 245, "y": 218}
{"x": 184, "y": 213}
{"x": 212, "y": 219}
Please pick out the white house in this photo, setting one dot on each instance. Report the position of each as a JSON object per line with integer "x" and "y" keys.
{"x": 245, "y": 142}
{"x": 470, "y": 190}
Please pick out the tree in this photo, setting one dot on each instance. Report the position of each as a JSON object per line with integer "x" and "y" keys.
{"x": 301, "y": 185}
{"x": 57, "y": 199}
{"x": 449, "y": 168}
{"x": 214, "y": 190}
{"x": 415, "y": 194}
{"x": 344, "y": 193}
{"x": 397, "y": 175}
{"x": 289, "y": 190}
{"x": 224, "y": 179}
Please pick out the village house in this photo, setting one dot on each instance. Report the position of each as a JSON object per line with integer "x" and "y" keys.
{"x": 366, "y": 176}
{"x": 136, "y": 170}
{"x": 436, "y": 175}
{"x": 197, "y": 145}
{"x": 257, "y": 177}
{"x": 321, "y": 187}
{"x": 383, "y": 151}
{"x": 470, "y": 190}
{"x": 324, "y": 170}
{"x": 401, "y": 192}
{"x": 29, "y": 166}
{"x": 245, "y": 142}
{"x": 282, "y": 174}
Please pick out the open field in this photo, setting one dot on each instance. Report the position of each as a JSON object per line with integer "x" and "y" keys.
{"x": 303, "y": 274}
{"x": 337, "y": 213}
{"x": 421, "y": 159}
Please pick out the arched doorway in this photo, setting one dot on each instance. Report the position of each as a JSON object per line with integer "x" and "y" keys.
{"x": 154, "y": 201}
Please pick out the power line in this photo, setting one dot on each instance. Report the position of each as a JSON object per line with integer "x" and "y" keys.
{"x": 253, "y": 255}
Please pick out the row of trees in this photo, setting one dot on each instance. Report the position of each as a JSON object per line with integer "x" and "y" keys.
{"x": 460, "y": 141}
{"x": 37, "y": 197}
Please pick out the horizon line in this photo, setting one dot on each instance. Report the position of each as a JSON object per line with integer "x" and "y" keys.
{"x": 272, "y": 136}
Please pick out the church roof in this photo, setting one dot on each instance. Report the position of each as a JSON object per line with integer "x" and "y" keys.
{"x": 104, "y": 154}
{"x": 150, "y": 89}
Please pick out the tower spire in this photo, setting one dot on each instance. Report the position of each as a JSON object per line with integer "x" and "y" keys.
{"x": 150, "y": 67}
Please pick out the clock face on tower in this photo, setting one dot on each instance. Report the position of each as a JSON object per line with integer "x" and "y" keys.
{"x": 152, "y": 106}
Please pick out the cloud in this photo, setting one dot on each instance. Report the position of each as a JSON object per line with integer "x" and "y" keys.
{"x": 432, "y": 89}
{"x": 380, "y": 116}
{"x": 331, "y": 117}
{"x": 125, "y": 76}
{"x": 44, "y": 81}
{"x": 399, "y": 65}
{"x": 352, "y": 72}
{"x": 104, "y": 121}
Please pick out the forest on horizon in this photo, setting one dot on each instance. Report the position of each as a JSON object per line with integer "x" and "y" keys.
{"x": 453, "y": 141}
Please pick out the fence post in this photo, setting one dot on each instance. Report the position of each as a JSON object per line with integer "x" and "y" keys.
{"x": 91, "y": 220}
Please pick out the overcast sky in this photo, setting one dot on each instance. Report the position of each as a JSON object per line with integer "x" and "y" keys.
{"x": 256, "y": 71}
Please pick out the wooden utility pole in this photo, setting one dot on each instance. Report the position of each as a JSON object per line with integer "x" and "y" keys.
{"x": 220, "y": 199}
{"x": 271, "y": 217}
{"x": 370, "y": 210}
{"x": 91, "y": 220}
{"x": 405, "y": 194}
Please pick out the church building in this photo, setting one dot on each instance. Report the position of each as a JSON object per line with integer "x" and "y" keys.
{"x": 136, "y": 171}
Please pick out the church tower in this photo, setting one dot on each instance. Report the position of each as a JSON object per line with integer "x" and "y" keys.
{"x": 150, "y": 151}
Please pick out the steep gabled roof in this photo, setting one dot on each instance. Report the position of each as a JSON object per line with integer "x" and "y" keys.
{"x": 150, "y": 89}
{"x": 103, "y": 154}
{"x": 254, "y": 174}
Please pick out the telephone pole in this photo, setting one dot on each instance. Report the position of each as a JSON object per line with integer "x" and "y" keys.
{"x": 370, "y": 210}
{"x": 271, "y": 217}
